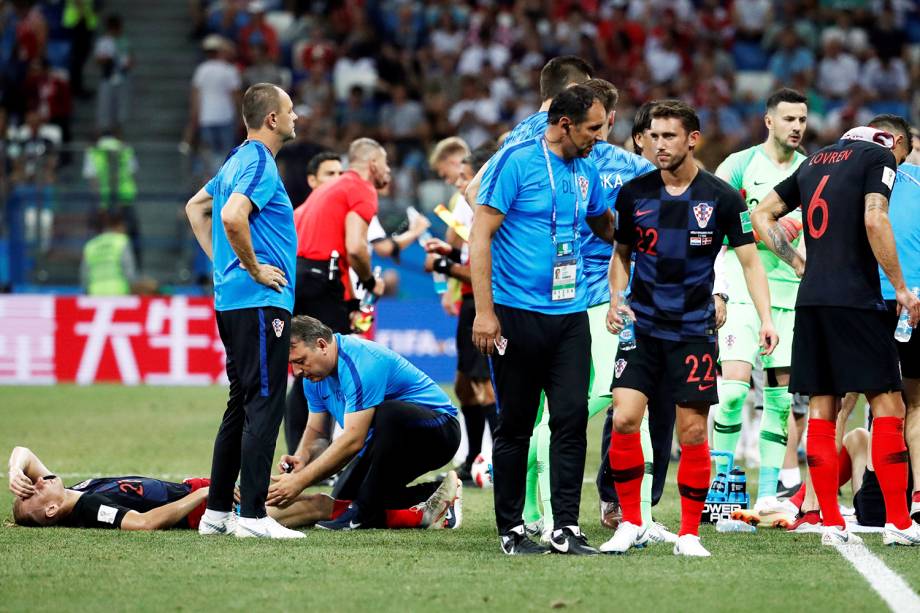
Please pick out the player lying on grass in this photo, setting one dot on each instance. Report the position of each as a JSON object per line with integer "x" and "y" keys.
{"x": 398, "y": 425}
{"x": 129, "y": 503}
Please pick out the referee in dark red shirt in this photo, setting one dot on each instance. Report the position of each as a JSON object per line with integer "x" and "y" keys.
{"x": 332, "y": 237}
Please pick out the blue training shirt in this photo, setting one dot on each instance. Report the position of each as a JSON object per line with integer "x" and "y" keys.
{"x": 250, "y": 170}
{"x": 904, "y": 213}
{"x": 368, "y": 374}
{"x": 615, "y": 166}
{"x": 517, "y": 185}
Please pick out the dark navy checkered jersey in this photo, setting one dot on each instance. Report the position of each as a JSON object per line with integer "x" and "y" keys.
{"x": 675, "y": 240}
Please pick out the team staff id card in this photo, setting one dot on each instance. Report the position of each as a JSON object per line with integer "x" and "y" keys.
{"x": 565, "y": 272}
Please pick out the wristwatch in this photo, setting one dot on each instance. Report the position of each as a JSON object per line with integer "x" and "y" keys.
{"x": 723, "y": 296}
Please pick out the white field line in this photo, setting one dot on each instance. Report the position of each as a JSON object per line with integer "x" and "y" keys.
{"x": 887, "y": 583}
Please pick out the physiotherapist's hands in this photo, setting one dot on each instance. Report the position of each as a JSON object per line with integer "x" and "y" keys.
{"x": 269, "y": 276}
{"x": 295, "y": 461}
{"x": 20, "y": 484}
{"x": 486, "y": 331}
{"x": 283, "y": 490}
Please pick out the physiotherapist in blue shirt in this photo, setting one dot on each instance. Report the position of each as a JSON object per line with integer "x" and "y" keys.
{"x": 398, "y": 425}
{"x": 531, "y": 303}
{"x": 253, "y": 247}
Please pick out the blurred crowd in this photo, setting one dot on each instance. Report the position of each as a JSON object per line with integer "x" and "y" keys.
{"x": 409, "y": 73}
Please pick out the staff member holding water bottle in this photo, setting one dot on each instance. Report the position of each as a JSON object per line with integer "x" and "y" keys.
{"x": 844, "y": 342}
{"x": 675, "y": 220}
{"x": 904, "y": 213}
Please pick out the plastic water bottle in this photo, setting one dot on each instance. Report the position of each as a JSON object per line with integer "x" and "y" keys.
{"x": 439, "y": 278}
{"x": 628, "y": 333}
{"x": 369, "y": 300}
{"x": 737, "y": 486}
{"x": 903, "y": 331}
{"x": 734, "y": 525}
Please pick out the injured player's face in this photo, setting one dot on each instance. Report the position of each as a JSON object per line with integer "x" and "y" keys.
{"x": 42, "y": 507}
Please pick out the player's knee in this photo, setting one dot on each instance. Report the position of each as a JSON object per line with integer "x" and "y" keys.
{"x": 693, "y": 434}
{"x": 625, "y": 423}
{"x": 856, "y": 441}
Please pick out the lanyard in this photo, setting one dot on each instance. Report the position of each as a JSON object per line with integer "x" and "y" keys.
{"x": 552, "y": 185}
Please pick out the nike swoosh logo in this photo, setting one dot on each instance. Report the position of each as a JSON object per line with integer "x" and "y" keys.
{"x": 761, "y": 183}
{"x": 703, "y": 388}
{"x": 354, "y": 525}
{"x": 561, "y": 548}
{"x": 222, "y": 528}
{"x": 450, "y": 515}
{"x": 641, "y": 213}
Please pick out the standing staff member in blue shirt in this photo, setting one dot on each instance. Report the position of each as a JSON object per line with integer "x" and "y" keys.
{"x": 398, "y": 425}
{"x": 531, "y": 306}
{"x": 253, "y": 248}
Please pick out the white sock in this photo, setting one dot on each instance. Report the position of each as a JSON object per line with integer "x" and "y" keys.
{"x": 216, "y": 516}
{"x": 251, "y": 521}
{"x": 790, "y": 476}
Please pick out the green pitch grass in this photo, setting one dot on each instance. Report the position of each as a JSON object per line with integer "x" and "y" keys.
{"x": 101, "y": 430}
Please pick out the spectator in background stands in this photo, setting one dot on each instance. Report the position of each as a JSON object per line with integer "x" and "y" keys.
{"x": 108, "y": 267}
{"x": 113, "y": 56}
{"x": 885, "y": 78}
{"x": 294, "y": 158}
{"x": 402, "y": 121}
{"x": 483, "y": 50}
{"x": 262, "y": 69}
{"x": 48, "y": 92}
{"x": 81, "y": 21}
{"x": 258, "y": 32}
{"x": 475, "y": 115}
{"x": 356, "y": 117}
{"x": 110, "y": 167}
{"x": 838, "y": 70}
{"x": 853, "y": 112}
{"x": 32, "y": 151}
{"x": 790, "y": 58}
{"x": 227, "y": 18}
{"x": 215, "y": 101}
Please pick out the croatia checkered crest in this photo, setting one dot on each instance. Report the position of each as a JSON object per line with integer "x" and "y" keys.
{"x": 583, "y": 186}
{"x": 278, "y": 326}
{"x": 702, "y": 212}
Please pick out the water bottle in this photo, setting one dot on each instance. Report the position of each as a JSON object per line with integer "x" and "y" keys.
{"x": 439, "y": 278}
{"x": 737, "y": 486}
{"x": 734, "y": 525}
{"x": 628, "y": 333}
{"x": 903, "y": 331}
{"x": 718, "y": 489}
{"x": 370, "y": 298}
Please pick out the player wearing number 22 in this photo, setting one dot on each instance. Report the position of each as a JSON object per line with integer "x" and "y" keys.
{"x": 843, "y": 341}
{"x": 674, "y": 219}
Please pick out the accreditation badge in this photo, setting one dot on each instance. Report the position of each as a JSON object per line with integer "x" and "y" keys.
{"x": 565, "y": 272}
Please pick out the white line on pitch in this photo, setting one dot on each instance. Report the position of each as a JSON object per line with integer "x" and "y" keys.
{"x": 887, "y": 583}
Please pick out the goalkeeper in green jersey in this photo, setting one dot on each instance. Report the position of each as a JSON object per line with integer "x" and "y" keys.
{"x": 755, "y": 171}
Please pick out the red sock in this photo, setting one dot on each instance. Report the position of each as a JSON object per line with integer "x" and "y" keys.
{"x": 404, "y": 518}
{"x": 889, "y": 457}
{"x": 845, "y": 467}
{"x": 627, "y": 467}
{"x": 693, "y": 485}
{"x": 339, "y": 507}
{"x": 799, "y": 497}
{"x": 821, "y": 451}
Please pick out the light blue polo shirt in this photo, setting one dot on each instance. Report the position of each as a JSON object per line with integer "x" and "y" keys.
{"x": 368, "y": 374}
{"x": 523, "y": 254}
{"x": 250, "y": 170}
{"x": 904, "y": 213}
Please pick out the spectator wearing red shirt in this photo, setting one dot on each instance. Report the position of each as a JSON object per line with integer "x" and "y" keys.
{"x": 258, "y": 31}
{"x": 334, "y": 220}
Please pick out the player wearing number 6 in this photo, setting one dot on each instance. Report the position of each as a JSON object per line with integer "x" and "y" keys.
{"x": 674, "y": 219}
{"x": 843, "y": 340}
